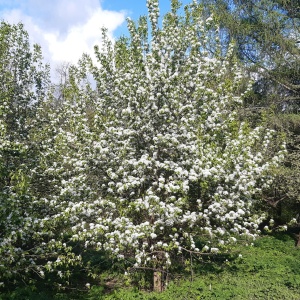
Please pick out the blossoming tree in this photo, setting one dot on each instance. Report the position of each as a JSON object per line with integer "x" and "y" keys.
{"x": 24, "y": 82}
{"x": 162, "y": 157}
{"x": 154, "y": 156}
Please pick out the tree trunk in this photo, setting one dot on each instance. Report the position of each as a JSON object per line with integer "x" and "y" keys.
{"x": 157, "y": 282}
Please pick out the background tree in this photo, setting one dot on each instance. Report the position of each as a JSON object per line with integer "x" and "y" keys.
{"x": 267, "y": 37}
{"x": 24, "y": 81}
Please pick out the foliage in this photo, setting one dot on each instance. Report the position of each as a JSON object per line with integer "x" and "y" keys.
{"x": 267, "y": 41}
{"x": 283, "y": 196}
{"x": 24, "y": 81}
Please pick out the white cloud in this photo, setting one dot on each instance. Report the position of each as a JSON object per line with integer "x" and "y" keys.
{"x": 81, "y": 37}
{"x": 64, "y": 28}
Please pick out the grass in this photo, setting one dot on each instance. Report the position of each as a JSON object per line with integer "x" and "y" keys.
{"x": 269, "y": 269}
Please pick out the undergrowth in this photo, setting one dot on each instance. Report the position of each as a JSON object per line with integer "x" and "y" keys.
{"x": 267, "y": 269}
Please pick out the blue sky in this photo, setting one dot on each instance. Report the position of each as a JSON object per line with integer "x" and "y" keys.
{"x": 67, "y": 28}
{"x": 135, "y": 8}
